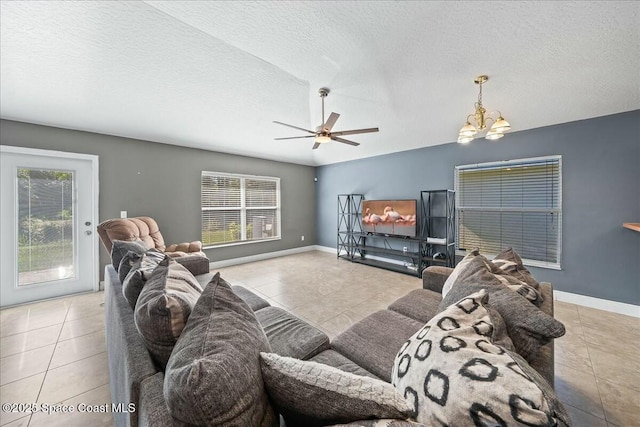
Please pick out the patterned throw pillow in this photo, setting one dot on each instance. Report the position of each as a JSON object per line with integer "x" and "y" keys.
{"x": 310, "y": 393}
{"x": 120, "y": 248}
{"x": 529, "y": 327}
{"x": 163, "y": 308}
{"x": 504, "y": 271}
{"x": 213, "y": 377}
{"x": 454, "y": 373}
{"x": 510, "y": 263}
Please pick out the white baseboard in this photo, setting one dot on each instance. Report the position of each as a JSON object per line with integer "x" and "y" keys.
{"x": 327, "y": 249}
{"x": 260, "y": 257}
{"x": 583, "y": 300}
{"x": 599, "y": 303}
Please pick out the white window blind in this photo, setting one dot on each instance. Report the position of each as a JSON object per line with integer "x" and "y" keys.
{"x": 515, "y": 203}
{"x": 239, "y": 208}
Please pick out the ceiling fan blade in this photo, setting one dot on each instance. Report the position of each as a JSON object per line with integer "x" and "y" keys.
{"x": 344, "y": 141}
{"x": 355, "y": 131}
{"x": 295, "y": 137}
{"x": 295, "y": 127}
{"x": 331, "y": 121}
{"x": 316, "y": 145}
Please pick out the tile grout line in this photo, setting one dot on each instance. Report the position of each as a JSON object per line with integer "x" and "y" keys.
{"x": 595, "y": 377}
{"x": 46, "y": 373}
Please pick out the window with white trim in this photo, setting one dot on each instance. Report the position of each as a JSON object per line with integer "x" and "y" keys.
{"x": 514, "y": 203}
{"x": 239, "y": 208}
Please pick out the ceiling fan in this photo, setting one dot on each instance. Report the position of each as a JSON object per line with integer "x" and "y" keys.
{"x": 323, "y": 132}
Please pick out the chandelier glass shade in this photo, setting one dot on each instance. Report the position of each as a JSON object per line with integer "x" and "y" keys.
{"x": 477, "y": 122}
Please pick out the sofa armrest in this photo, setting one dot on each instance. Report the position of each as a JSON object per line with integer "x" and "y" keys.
{"x": 433, "y": 277}
{"x": 197, "y": 264}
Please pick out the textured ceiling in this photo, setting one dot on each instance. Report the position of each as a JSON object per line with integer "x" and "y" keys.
{"x": 214, "y": 75}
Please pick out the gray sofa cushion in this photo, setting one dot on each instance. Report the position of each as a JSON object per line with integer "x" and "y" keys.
{"x": 335, "y": 359}
{"x": 374, "y": 341}
{"x": 291, "y": 336}
{"x": 313, "y": 394}
{"x": 419, "y": 304}
{"x": 528, "y": 326}
{"x": 163, "y": 308}
{"x": 213, "y": 376}
{"x": 252, "y": 300}
{"x": 457, "y": 351}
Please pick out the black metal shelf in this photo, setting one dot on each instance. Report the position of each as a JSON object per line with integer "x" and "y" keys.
{"x": 354, "y": 244}
{"x": 433, "y": 204}
{"x": 386, "y": 251}
{"x": 386, "y": 265}
{"x": 388, "y": 236}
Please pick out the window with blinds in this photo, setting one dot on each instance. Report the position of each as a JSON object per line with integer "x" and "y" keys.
{"x": 515, "y": 203}
{"x": 239, "y": 208}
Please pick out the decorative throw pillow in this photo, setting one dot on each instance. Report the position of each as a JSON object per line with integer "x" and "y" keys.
{"x": 454, "y": 373}
{"x": 163, "y": 308}
{"x": 213, "y": 376}
{"x": 506, "y": 277}
{"x": 529, "y": 327}
{"x": 453, "y": 277}
{"x": 312, "y": 394}
{"x": 510, "y": 262}
{"x": 120, "y": 248}
{"x": 140, "y": 272}
{"x": 128, "y": 261}
{"x": 131, "y": 259}
{"x": 529, "y": 292}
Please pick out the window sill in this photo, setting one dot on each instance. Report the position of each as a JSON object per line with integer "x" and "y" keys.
{"x": 244, "y": 242}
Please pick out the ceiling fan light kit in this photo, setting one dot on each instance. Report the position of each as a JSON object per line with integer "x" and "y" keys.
{"x": 469, "y": 131}
{"x": 323, "y": 133}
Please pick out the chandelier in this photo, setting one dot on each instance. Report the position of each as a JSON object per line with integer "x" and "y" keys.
{"x": 481, "y": 117}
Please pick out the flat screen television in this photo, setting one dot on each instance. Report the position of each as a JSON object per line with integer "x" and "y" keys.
{"x": 393, "y": 217}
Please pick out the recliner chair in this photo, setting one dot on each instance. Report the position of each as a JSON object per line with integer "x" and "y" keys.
{"x": 146, "y": 229}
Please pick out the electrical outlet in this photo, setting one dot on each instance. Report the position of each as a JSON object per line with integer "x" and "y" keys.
{"x": 302, "y": 238}
{"x": 123, "y": 214}
{"x": 405, "y": 250}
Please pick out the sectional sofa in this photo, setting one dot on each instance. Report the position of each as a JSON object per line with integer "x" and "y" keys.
{"x": 370, "y": 348}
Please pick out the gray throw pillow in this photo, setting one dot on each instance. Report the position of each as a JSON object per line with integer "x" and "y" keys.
{"x": 313, "y": 394}
{"x": 454, "y": 372}
{"x": 213, "y": 376}
{"x": 140, "y": 272}
{"x": 510, "y": 262}
{"x": 529, "y": 327}
{"x": 119, "y": 249}
{"x": 163, "y": 308}
{"x": 127, "y": 262}
{"x": 132, "y": 258}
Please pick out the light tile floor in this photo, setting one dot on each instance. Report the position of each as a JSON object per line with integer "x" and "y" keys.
{"x": 54, "y": 351}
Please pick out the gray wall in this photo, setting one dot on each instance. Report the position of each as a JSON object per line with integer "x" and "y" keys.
{"x": 163, "y": 181}
{"x": 601, "y": 190}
